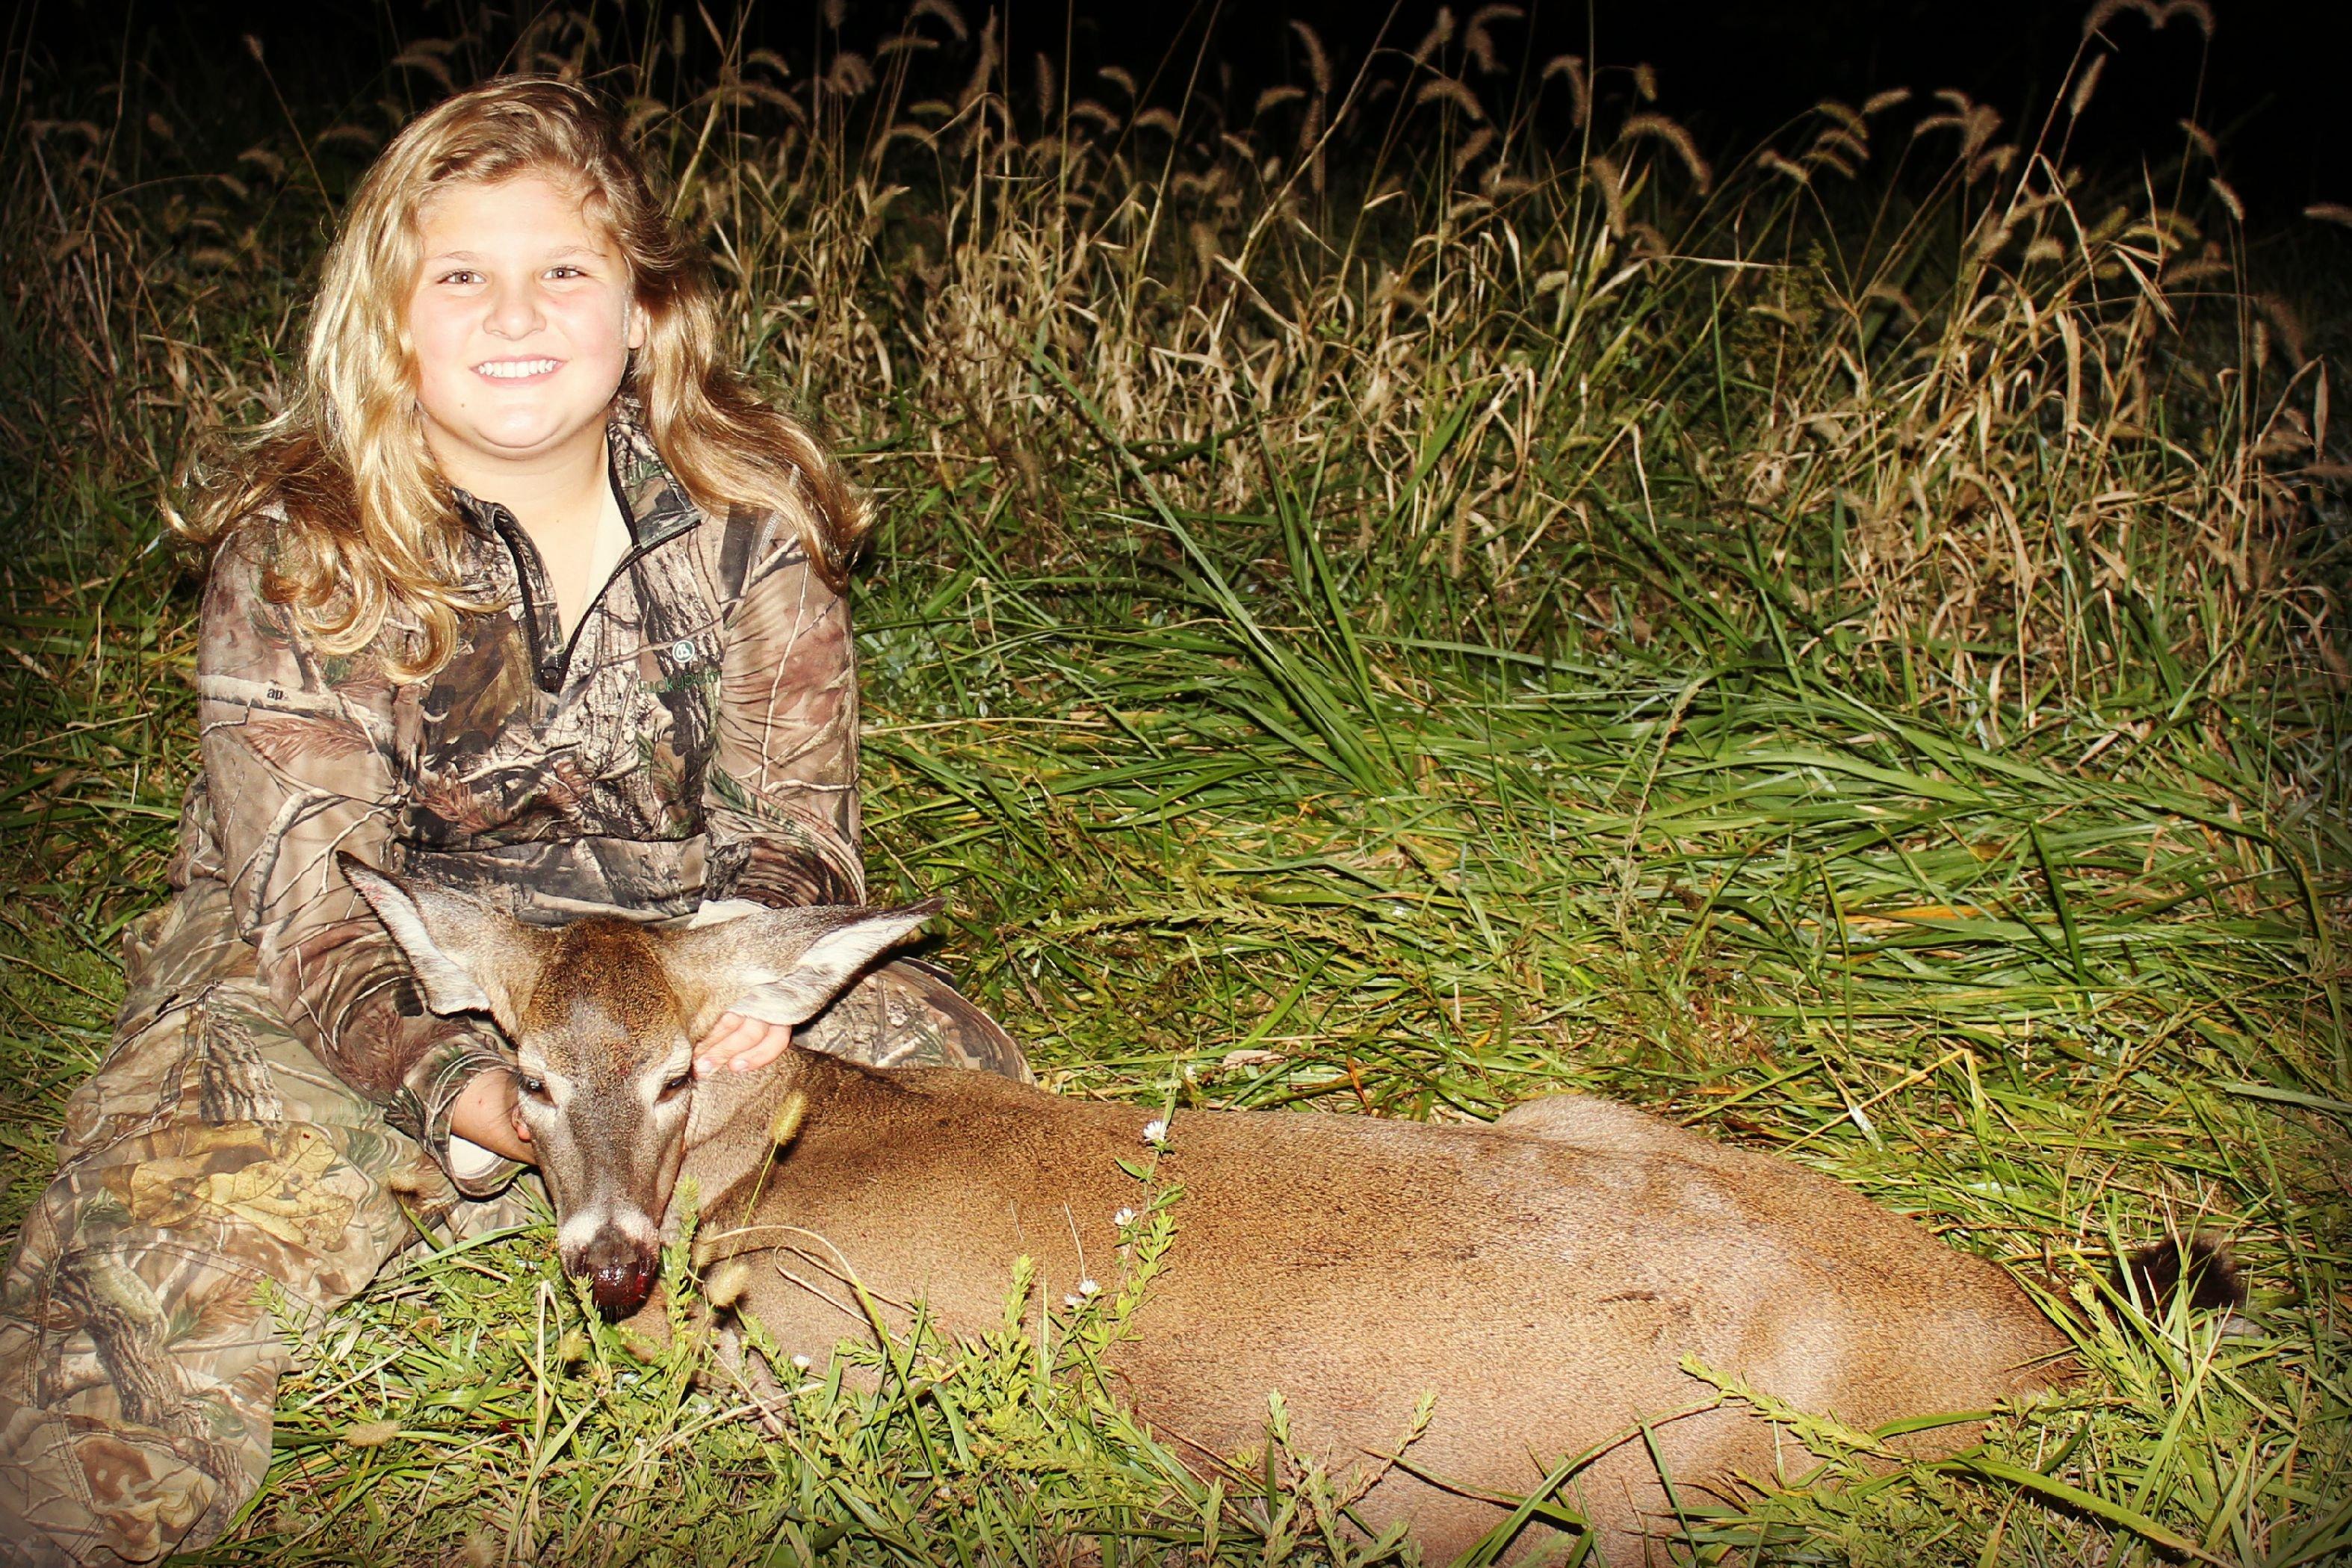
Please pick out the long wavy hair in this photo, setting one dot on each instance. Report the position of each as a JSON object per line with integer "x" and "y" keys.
{"x": 365, "y": 530}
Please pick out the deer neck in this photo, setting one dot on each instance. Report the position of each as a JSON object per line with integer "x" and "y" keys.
{"x": 733, "y": 1108}
{"x": 729, "y": 1104}
{"x": 743, "y": 1122}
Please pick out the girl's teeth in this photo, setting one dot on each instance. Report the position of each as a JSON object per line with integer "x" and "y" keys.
{"x": 508, "y": 370}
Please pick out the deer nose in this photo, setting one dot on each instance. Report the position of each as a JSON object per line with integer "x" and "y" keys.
{"x": 620, "y": 1275}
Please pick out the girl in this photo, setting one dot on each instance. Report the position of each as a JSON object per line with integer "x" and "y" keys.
{"x": 525, "y": 591}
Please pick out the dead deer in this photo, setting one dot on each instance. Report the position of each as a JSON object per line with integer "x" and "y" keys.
{"x": 1543, "y": 1277}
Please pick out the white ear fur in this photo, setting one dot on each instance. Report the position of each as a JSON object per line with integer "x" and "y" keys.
{"x": 719, "y": 911}
{"x": 449, "y": 986}
{"x": 796, "y": 991}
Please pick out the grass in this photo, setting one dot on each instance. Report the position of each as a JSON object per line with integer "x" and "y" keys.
{"x": 1836, "y": 649}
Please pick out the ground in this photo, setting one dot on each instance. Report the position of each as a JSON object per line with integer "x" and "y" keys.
{"x": 1842, "y": 657}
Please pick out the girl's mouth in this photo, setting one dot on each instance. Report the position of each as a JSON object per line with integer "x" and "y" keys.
{"x": 518, "y": 369}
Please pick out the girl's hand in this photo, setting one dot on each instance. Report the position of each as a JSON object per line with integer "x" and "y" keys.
{"x": 488, "y": 1112}
{"x": 742, "y": 1043}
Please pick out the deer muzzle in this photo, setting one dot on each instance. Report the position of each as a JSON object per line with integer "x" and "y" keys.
{"x": 609, "y": 1193}
{"x": 620, "y": 1273}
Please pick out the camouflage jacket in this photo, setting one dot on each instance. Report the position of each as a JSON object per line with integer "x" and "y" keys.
{"x": 696, "y": 737}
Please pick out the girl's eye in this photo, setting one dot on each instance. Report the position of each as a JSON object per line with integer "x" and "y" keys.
{"x": 461, "y": 275}
{"x": 565, "y": 269}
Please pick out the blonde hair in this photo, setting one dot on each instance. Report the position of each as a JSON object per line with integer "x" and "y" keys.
{"x": 364, "y": 528}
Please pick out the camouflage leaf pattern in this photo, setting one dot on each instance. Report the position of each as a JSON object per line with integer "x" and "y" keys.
{"x": 217, "y": 1184}
{"x": 696, "y": 737}
{"x": 270, "y": 1126}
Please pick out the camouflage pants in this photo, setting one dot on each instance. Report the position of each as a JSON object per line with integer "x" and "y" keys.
{"x": 211, "y": 1158}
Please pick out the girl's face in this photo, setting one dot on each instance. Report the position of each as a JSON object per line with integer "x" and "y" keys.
{"x": 522, "y": 323}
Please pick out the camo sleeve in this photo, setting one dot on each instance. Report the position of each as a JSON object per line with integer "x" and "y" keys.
{"x": 297, "y": 756}
{"x": 780, "y": 803}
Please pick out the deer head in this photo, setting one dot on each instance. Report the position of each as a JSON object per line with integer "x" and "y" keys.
{"x": 603, "y": 1014}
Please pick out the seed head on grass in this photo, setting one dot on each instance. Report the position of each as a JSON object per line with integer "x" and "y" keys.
{"x": 1851, "y": 685}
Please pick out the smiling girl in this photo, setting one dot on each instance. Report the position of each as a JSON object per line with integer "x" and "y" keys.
{"x": 524, "y": 592}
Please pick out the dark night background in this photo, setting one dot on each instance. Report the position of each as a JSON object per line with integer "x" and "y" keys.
{"x": 1991, "y": 601}
{"x": 2269, "y": 83}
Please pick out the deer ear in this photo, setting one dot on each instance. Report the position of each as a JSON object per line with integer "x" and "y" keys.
{"x": 784, "y": 965}
{"x": 466, "y": 955}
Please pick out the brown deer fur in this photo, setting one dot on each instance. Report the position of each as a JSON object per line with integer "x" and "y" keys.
{"x": 1543, "y": 1277}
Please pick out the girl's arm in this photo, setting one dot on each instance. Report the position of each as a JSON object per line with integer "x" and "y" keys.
{"x": 781, "y": 800}
{"x": 296, "y": 753}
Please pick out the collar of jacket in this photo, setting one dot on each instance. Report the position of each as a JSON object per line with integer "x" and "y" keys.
{"x": 654, "y": 505}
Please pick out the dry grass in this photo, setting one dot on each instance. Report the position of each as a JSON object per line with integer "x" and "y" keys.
{"x": 1417, "y": 592}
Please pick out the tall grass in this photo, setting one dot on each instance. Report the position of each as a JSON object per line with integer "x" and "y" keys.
{"x": 1395, "y": 598}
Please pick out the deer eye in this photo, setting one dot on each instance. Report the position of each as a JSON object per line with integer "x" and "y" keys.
{"x": 534, "y": 1087}
{"x": 677, "y": 1084}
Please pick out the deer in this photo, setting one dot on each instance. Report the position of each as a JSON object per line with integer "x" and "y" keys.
{"x": 1548, "y": 1276}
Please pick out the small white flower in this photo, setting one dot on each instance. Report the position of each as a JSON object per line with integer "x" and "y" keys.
{"x": 1123, "y": 1218}
{"x": 800, "y": 1363}
{"x": 1155, "y": 1130}
{"x": 1069, "y": 1301}
{"x": 1087, "y": 1288}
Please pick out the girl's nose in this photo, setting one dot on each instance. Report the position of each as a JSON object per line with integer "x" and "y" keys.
{"x": 514, "y": 308}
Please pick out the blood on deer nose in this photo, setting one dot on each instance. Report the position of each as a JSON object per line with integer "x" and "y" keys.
{"x": 620, "y": 1275}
